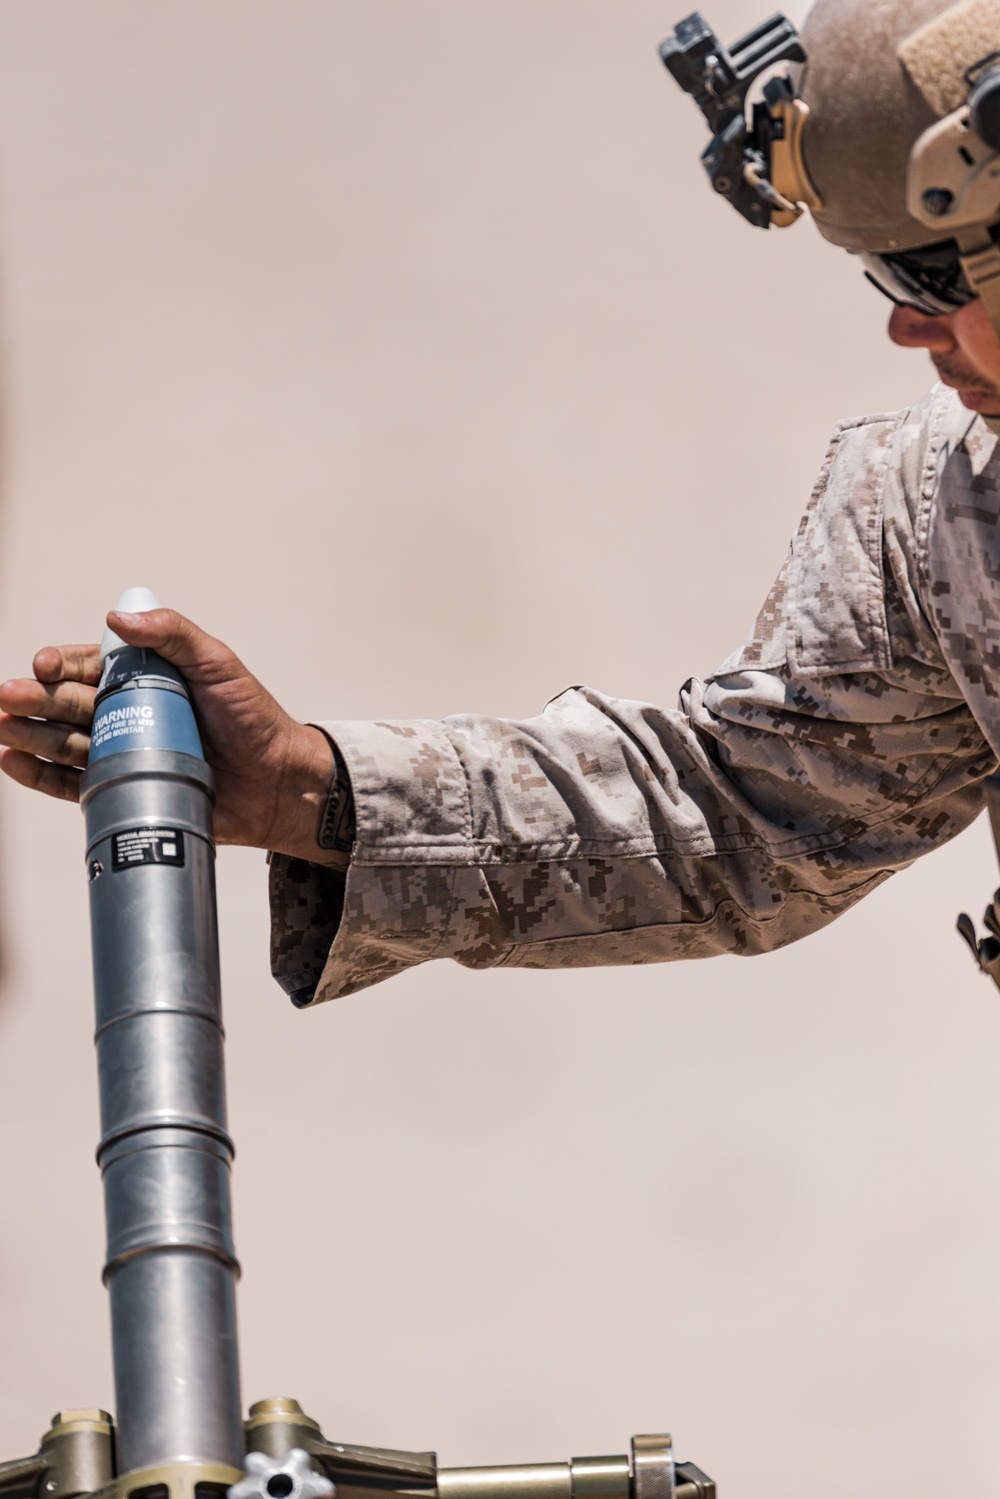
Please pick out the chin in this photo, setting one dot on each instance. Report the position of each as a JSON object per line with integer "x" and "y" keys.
{"x": 987, "y": 403}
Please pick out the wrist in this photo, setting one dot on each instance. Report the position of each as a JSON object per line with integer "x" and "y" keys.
{"x": 316, "y": 819}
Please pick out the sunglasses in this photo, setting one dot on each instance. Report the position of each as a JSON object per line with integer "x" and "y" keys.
{"x": 931, "y": 280}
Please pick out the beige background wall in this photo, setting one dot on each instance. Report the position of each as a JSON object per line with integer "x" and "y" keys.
{"x": 401, "y": 343}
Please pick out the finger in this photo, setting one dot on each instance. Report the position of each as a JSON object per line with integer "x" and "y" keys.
{"x": 38, "y": 775}
{"x": 53, "y": 741}
{"x": 65, "y": 702}
{"x": 200, "y": 656}
{"x": 68, "y": 663}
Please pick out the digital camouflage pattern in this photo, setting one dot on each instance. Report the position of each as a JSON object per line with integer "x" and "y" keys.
{"x": 847, "y": 737}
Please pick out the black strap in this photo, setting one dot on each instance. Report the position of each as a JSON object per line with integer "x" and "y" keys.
{"x": 986, "y": 950}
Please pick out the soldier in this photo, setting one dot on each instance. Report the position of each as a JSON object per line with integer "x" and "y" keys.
{"x": 851, "y": 732}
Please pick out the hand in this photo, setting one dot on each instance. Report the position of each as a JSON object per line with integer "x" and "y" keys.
{"x": 274, "y": 777}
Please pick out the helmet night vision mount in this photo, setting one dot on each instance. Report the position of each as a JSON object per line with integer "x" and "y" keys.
{"x": 757, "y": 163}
{"x": 165, "y": 1154}
{"x": 947, "y": 252}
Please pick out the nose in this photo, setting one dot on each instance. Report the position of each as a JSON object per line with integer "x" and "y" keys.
{"x": 913, "y": 329}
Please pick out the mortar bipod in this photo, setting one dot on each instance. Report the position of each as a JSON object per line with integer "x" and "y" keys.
{"x": 77, "y": 1458}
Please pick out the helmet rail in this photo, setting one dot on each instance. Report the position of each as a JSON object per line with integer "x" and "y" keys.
{"x": 755, "y": 163}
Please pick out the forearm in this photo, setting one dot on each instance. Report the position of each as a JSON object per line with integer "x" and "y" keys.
{"x": 608, "y": 832}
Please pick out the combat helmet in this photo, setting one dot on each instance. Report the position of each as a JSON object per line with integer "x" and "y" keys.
{"x": 885, "y": 126}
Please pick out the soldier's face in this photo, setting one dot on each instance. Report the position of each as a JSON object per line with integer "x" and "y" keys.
{"x": 963, "y": 346}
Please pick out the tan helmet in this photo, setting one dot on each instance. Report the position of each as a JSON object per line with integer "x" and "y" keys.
{"x": 880, "y": 76}
{"x": 887, "y": 128}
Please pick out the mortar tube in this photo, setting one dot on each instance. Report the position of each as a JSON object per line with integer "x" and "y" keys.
{"x": 165, "y": 1151}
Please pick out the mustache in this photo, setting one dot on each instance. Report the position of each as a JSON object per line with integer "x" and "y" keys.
{"x": 963, "y": 376}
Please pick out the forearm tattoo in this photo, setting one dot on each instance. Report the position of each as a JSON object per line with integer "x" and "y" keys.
{"x": 336, "y": 818}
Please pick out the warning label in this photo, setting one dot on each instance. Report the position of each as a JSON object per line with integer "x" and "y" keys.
{"x": 147, "y": 846}
{"x": 113, "y": 723}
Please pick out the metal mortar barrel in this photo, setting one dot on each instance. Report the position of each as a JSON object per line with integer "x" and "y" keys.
{"x": 165, "y": 1152}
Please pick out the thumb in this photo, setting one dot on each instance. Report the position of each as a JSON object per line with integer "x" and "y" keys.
{"x": 199, "y": 656}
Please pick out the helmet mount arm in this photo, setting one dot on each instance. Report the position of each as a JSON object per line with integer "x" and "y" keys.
{"x": 744, "y": 157}
{"x": 980, "y": 260}
{"x": 953, "y": 183}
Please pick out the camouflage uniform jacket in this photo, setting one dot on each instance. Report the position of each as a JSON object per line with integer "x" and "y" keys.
{"x": 848, "y": 736}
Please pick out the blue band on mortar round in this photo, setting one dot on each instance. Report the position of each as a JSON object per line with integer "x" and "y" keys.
{"x": 144, "y": 718}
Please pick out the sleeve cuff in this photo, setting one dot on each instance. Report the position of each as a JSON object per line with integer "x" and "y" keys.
{"x": 413, "y": 891}
{"x": 307, "y": 902}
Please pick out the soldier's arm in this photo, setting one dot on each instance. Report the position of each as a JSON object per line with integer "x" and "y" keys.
{"x": 833, "y": 749}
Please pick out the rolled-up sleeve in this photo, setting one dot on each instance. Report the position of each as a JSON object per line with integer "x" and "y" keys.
{"x": 831, "y": 750}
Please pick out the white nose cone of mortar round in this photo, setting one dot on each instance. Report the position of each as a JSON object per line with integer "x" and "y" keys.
{"x": 132, "y": 601}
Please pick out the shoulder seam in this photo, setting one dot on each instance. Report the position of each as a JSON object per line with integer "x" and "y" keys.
{"x": 878, "y": 417}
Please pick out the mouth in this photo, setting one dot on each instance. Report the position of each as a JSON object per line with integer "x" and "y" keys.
{"x": 985, "y": 401}
{"x": 973, "y": 392}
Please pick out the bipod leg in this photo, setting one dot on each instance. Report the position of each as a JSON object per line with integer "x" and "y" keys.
{"x": 279, "y": 1435}
{"x": 76, "y": 1456}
